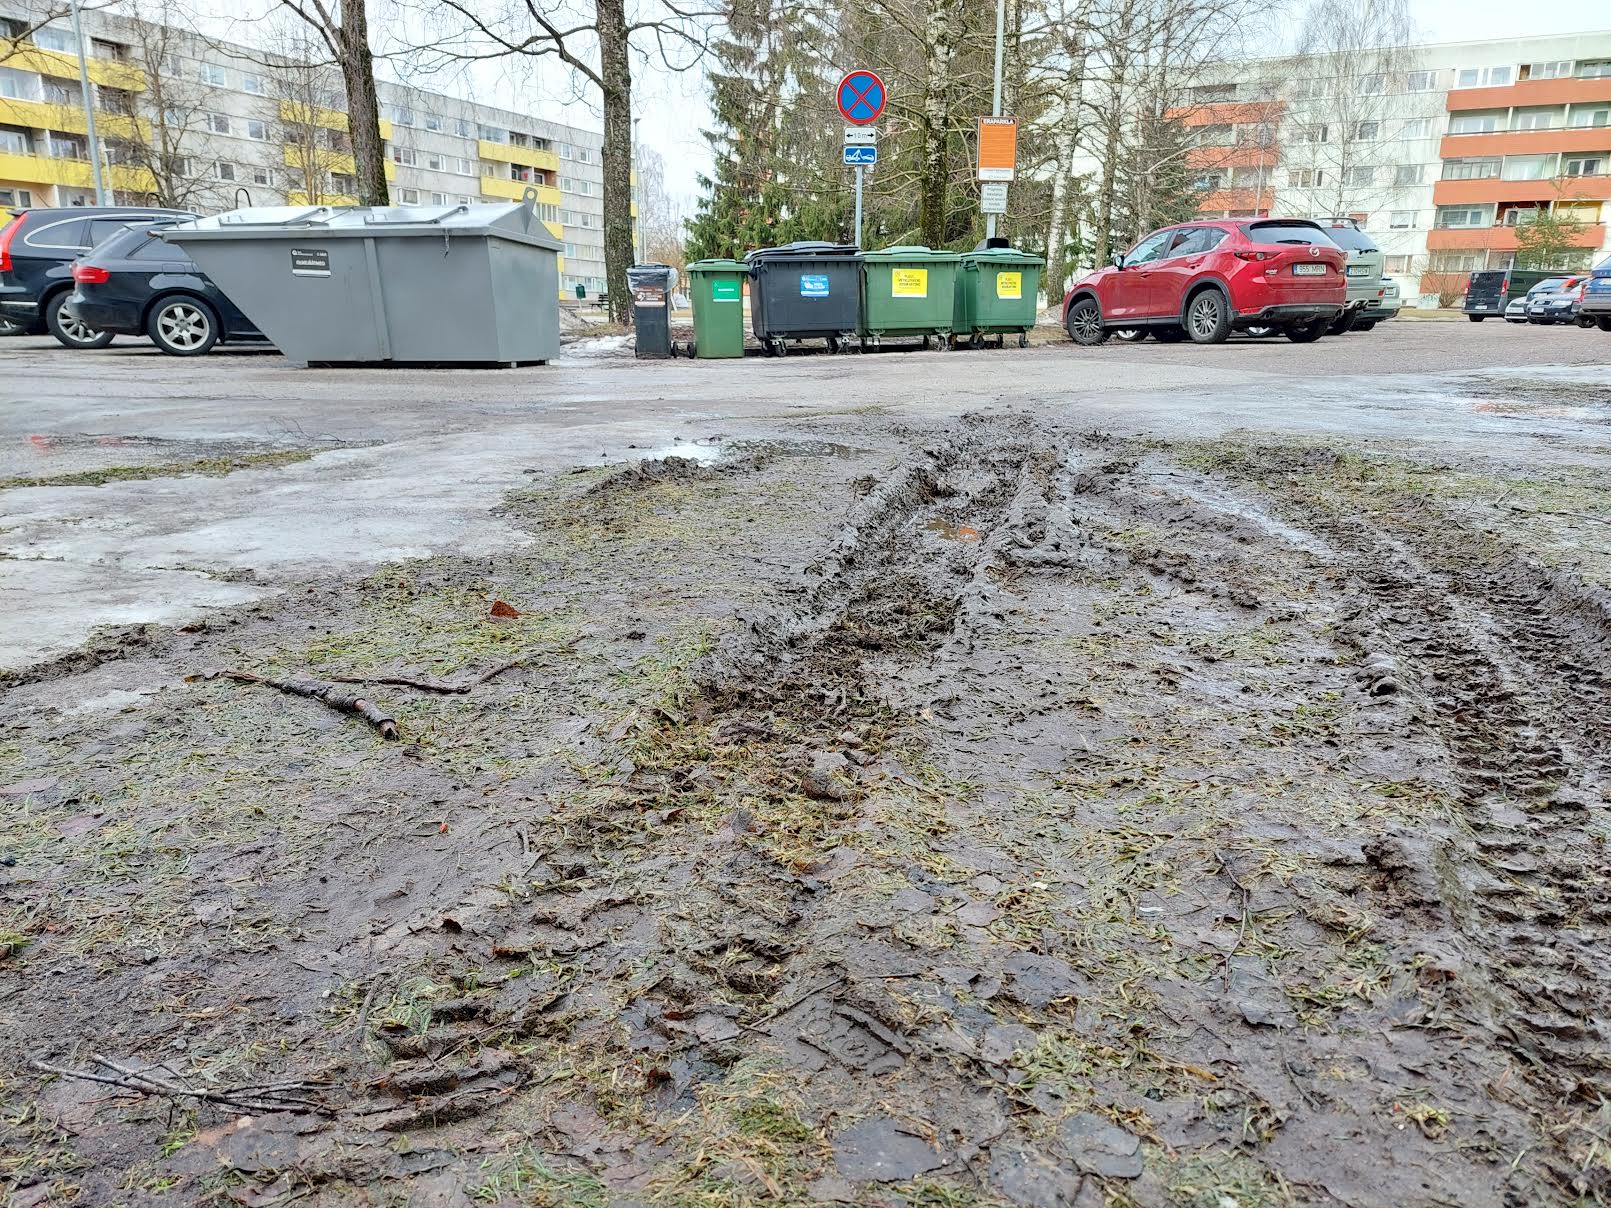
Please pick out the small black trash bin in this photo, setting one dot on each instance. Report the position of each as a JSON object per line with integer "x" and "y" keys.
{"x": 805, "y": 291}
{"x": 651, "y": 286}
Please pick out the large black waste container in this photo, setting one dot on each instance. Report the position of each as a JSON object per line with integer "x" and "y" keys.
{"x": 651, "y": 286}
{"x": 805, "y": 291}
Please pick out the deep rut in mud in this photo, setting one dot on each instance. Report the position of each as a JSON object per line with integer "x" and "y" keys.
{"x": 1079, "y": 820}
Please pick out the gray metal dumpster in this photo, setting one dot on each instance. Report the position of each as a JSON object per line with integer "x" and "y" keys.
{"x": 388, "y": 284}
{"x": 651, "y": 286}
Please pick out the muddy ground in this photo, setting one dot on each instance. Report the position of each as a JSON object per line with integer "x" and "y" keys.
{"x": 897, "y": 811}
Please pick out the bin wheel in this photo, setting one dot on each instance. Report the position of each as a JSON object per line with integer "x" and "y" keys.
{"x": 693, "y": 350}
{"x": 833, "y": 343}
{"x": 1023, "y": 339}
{"x": 975, "y": 340}
{"x": 1001, "y": 341}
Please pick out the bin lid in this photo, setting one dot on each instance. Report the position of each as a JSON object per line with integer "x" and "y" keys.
{"x": 717, "y": 264}
{"x": 651, "y": 273}
{"x": 515, "y": 220}
{"x": 914, "y": 251}
{"x": 802, "y": 249}
{"x": 1003, "y": 255}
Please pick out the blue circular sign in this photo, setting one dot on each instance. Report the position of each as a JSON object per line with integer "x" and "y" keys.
{"x": 861, "y": 97}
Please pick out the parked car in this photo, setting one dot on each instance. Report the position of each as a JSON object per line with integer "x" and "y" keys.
{"x": 1555, "y": 300}
{"x": 1596, "y": 304}
{"x": 1384, "y": 307}
{"x": 1516, "y": 310}
{"x": 1365, "y": 266}
{"x": 1202, "y": 280}
{"x": 37, "y": 250}
{"x": 133, "y": 283}
{"x": 1488, "y": 293}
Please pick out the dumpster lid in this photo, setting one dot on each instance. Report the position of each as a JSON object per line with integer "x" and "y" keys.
{"x": 911, "y": 251}
{"x": 515, "y": 220}
{"x": 651, "y": 272}
{"x": 1003, "y": 255}
{"x": 801, "y": 249}
{"x": 717, "y": 264}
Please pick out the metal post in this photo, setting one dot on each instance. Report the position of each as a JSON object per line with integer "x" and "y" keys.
{"x": 101, "y": 198}
{"x": 995, "y": 100}
{"x": 859, "y": 170}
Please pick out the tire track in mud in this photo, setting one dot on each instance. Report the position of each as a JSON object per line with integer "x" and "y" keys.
{"x": 1506, "y": 661}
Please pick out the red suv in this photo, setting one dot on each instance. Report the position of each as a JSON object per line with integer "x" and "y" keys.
{"x": 1203, "y": 280}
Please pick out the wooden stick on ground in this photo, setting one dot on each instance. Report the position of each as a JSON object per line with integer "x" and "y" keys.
{"x": 336, "y": 698}
{"x": 403, "y": 681}
{"x": 263, "y": 1099}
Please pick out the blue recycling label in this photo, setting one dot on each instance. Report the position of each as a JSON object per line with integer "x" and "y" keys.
{"x": 813, "y": 285}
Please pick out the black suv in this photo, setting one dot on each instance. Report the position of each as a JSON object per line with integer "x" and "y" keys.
{"x": 135, "y": 284}
{"x": 37, "y": 250}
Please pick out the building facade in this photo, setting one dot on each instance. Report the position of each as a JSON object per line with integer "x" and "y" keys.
{"x": 1443, "y": 152}
{"x": 208, "y": 126}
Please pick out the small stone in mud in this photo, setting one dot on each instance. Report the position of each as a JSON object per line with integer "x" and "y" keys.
{"x": 999, "y": 1043}
{"x": 828, "y": 778}
{"x": 1101, "y": 1147}
{"x": 1028, "y": 1179}
{"x": 881, "y": 1150}
{"x": 1037, "y": 981}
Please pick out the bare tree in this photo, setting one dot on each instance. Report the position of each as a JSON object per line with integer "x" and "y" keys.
{"x": 342, "y": 27}
{"x": 660, "y": 219}
{"x": 316, "y": 151}
{"x": 594, "y": 39}
{"x": 27, "y": 18}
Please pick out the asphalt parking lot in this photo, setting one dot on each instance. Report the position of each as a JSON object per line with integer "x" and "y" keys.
{"x": 144, "y": 488}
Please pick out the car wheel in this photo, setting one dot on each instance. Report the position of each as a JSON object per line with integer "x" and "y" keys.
{"x": 1344, "y": 322}
{"x": 1262, "y": 332}
{"x": 10, "y": 327}
{"x": 1604, "y": 322}
{"x": 182, "y": 326}
{"x": 1085, "y": 323}
{"x": 1208, "y": 318}
{"x": 1584, "y": 322}
{"x": 70, "y": 332}
{"x": 1308, "y": 333}
{"x": 1169, "y": 335}
{"x": 1131, "y": 335}
{"x": 1476, "y": 318}
{"x": 1365, "y": 326}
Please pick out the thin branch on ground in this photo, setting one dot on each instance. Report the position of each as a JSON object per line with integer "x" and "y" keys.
{"x": 326, "y": 694}
{"x": 272, "y": 1097}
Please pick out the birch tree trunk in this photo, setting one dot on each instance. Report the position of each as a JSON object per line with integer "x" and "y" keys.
{"x": 1068, "y": 132}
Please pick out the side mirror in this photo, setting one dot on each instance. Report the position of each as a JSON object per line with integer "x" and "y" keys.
{"x": 1118, "y": 260}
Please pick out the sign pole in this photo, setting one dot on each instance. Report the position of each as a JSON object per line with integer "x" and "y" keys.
{"x": 995, "y": 101}
{"x": 859, "y": 171}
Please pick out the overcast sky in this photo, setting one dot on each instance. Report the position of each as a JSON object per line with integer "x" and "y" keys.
{"x": 674, "y": 107}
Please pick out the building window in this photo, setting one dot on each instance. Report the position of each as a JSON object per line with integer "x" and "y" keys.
{"x": 1207, "y": 182}
{"x": 433, "y": 162}
{"x": 1453, "y": 262}
{"x": 402, "y": 116}
{"x": 263, "y": 176}
{"x": 1559, "y": 69}
{"x": 102, "y": 49}
{"x": 463, "y": 167}
{"x": 1586, "y": 212}
{"x": 64, "y": 146}
{"x": 488, "y": 168}
{"x": 215, "y": 74}
{"x": 461, "y": 127}
{"x": 257, "y": 130}
{"x": 1401, "y": 220}
{"x": 1396, "y": 264}
{"x": 1421, "y": 81}
{"x": 254, "y": 84}
{"x": 224, "y": 170}
{"x": 1583, "y": 117}
{"x": 1470, "y": 169}
{"x": 1482, "y": 77}
{"x": 18, "y": 85}
{"x": 1219, "y": 135}
{"x": 1367, "y": 131}
{"x": 183, "y": 167}
{"x": 491, "y": 134}
{"x": 1207, "y": 93}
{"x": 1255, "y": 134}
{"x": 1306, "y": 178}
{"x": 218, "y": 123}
{"x": 1416, "y": 127}
{"x": 48, "y": 37}
{"x": 433, "y": 122}
{"x": 1360, "y": 177}
{"x": 1474, "y": 123}
{"x": 1594, "y": 69}
{"x": 584, "y": 155}
{"x": 465, "y": 201}
{"x": 14, "y": 141}
{"x": 1314, "y": 134}
{"x": 1529, "y": 167}
{"x": 409, "y": 197}
{"x": 439, "y": 199}
{"x": 564, "y": 150}
{"x": 1583, "y": 165}
{"x": 567, "y": 185}
{"x": 1520, "y": 215}
{"x": 1371, "y": 85}
{"x": 1462, "y": 216}
{"x": 17, "y": 199}
{"x": 1535, "y": 119}
{"x": 403, "y": 155}
{"x": 1405, "y": 175}
{"x": 343, "y": 184}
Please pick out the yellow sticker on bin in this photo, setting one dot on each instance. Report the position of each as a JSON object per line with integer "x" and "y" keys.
{"x": 1009, "y": 285}
{"x": 909, "y": 283}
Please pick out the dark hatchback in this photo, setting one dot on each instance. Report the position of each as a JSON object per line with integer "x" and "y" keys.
{"x": 135, "y": 284}
{"x": 37, "y": 250}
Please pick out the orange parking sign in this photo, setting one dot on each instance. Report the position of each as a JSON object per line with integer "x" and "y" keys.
{"x": 998, "y": 147}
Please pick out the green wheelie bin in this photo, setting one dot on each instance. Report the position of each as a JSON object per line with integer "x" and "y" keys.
{"x": 717, "y": 290}
{"x": 996, "y": 294}
{"x": 907, "y": 291}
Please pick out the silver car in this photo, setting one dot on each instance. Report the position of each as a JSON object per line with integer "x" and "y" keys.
{"x": 1365, "y": 265}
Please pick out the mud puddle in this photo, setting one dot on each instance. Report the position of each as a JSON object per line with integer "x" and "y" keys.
{"x": 1024, "y": 816}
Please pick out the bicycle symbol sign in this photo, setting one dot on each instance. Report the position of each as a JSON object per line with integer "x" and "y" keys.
{"x": 861, "y": 97}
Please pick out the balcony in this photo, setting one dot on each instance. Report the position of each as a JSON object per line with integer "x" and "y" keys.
{"x": 1217, "y": 201}
{"x": 515, "y": 190}
{"x": 75, "y": 173}
{"x": 336, "y": 162}
{"x": 1500, "y": 238}
{"x": 298, "y": 114}
{"x": 298, "y": 198}
{"x": 69, "y": 119}
{"x": 1238, "y": 155}
{"x": 530, "y": 157}
{"x": 1228, "y": 113}
{"x": 1525, "y": 142}
{"x": 1478, "y": 192}
{"x": 1530, "y": 92}
{"x": 61, "y": 66}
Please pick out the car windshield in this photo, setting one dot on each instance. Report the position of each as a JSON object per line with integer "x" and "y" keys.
{"x": 1352, "y": 239}
{"x": 1549, "y": 286}
{"x": 1274, "y": 233}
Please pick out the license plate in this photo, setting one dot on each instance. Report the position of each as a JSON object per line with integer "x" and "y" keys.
{"x": 1309, "y": 270}
{"x": 1358, "y": 270}
{"x": 1482, "y": 306}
